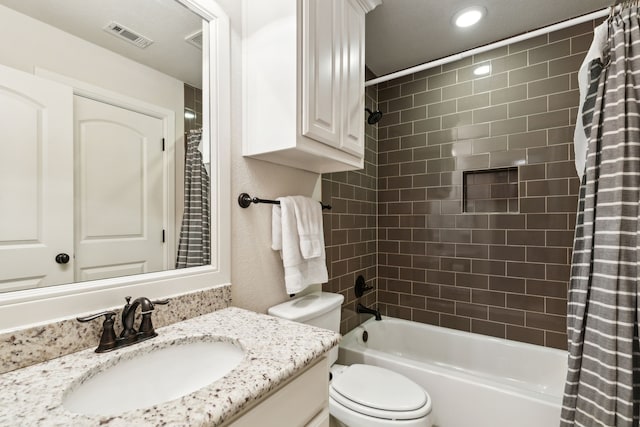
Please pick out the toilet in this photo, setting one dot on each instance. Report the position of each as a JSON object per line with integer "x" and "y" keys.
{"x": 359, "y": 395}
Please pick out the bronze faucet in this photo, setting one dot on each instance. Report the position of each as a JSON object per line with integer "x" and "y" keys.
{"x": 128, "y": 336}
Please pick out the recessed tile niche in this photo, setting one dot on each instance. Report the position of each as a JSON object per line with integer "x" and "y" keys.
{"x": 491, "y": 190}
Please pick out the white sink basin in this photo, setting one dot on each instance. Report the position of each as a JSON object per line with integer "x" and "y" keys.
{"x": 155, "y": 377}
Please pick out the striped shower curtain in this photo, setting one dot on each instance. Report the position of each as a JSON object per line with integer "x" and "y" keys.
{"x": 194, "y": 248}
{"x": 603, "y": 380}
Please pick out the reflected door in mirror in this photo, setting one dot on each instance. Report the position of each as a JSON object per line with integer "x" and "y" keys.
{"x": 36, "y": 181}
{"x": 120, "y": 191}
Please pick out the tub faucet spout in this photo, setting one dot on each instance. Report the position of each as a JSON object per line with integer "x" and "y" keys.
{"x": 362, "y": 309}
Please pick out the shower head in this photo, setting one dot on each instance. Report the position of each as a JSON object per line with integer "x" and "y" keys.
{"x": 374, "y": 116}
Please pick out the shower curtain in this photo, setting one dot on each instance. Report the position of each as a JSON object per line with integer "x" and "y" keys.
{"x": 194, "y": 248}
{"x": 603, "y": 380}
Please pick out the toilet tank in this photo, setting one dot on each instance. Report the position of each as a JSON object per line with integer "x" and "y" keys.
{"x": 321, "y": 309}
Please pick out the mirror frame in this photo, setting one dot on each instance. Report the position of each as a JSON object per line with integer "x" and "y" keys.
{"x": 19, "y": 309}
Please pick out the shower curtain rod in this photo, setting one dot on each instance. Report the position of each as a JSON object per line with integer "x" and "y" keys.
{"x": 555, "y": 27}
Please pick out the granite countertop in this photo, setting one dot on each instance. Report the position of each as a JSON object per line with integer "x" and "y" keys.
{"x": 275, "y": 349}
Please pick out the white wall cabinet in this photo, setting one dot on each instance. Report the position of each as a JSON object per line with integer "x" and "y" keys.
{"x": 304, "y": 82}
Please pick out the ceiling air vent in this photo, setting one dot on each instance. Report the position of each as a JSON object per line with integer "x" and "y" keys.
{"x": 195, "y": 39}
{"x": 127, "y": 34}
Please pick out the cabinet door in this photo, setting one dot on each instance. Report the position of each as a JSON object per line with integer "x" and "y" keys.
{"x": 304, "y": 401}
{"x": 353, "y": 25}
{"x": 321, "y": 67}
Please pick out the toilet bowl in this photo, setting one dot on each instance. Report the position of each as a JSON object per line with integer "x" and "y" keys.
{"x": 370, "y": 396}
{"x": 360, "y": 395}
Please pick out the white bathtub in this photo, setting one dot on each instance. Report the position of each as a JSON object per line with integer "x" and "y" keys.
{"x": 473, "y": 380}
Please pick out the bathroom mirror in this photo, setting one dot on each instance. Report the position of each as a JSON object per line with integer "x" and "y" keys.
{"x": 102, "y": 97}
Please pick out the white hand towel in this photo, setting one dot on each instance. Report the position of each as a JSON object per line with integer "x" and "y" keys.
{"x": 276, "y": 228}
{"x": 298, "y": 272}
{"x": 309, "y": 222}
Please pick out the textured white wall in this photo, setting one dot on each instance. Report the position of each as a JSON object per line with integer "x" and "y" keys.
{"x": 256, "y": 271}
{"x": 29, "y": 43}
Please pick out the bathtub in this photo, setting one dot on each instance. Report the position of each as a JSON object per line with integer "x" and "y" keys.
{"x": 473, "y": 380}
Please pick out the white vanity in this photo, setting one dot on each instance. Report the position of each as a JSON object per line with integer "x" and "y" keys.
{"x": 282, "y": 377}
{"x": 283, "y": 374}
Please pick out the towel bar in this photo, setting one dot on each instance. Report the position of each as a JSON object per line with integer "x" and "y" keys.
{"x": 245, "y": 200}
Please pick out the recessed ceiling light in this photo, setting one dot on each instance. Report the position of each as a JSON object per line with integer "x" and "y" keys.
{"x": 482, "y": 70}
{"x": 469, "y": 16}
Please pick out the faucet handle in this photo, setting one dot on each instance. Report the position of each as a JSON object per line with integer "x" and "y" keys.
{"x": 161, "y": 302}
{"x": 361, "y": 286}
{"x": 107, "y": 314}
{"x": 151, "y": 305}
{"x": 146, "y": 325}
{"x": 108, "y": 337}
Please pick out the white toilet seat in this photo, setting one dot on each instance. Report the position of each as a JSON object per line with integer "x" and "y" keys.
{"x": 380, "y": 393}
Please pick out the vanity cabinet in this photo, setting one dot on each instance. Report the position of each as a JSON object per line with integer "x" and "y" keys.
{"x": 302, "y": 401}
{"x": 304, "y": 82}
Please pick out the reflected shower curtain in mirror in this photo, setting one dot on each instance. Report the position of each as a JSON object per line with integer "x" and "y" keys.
{"x": 603, "y": 379}
{"x": 194, "y": 248}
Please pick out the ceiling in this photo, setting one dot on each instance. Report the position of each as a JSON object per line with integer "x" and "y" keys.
{"x": 166, "y": 22}
{"x": 399, "y": 33}
{"x": 404, "y": 33}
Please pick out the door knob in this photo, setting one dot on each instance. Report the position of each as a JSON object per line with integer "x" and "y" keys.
{"x": 62, "y": 258}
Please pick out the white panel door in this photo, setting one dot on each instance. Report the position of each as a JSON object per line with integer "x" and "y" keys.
{"x": 352, "y": 140}
{"x": 36, "y": 181}
{"x": 120, "y": 191}
{"x": 321, "y": 33}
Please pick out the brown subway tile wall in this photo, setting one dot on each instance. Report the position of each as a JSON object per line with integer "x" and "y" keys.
{"x": 351, "y": 225}
{"x": 506, "y": 274}
{"x": 192, "y": 103}
{"x": 400, "y": 221}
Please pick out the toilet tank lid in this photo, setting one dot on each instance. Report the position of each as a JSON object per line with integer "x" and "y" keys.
{"x": 307, "y": 307}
